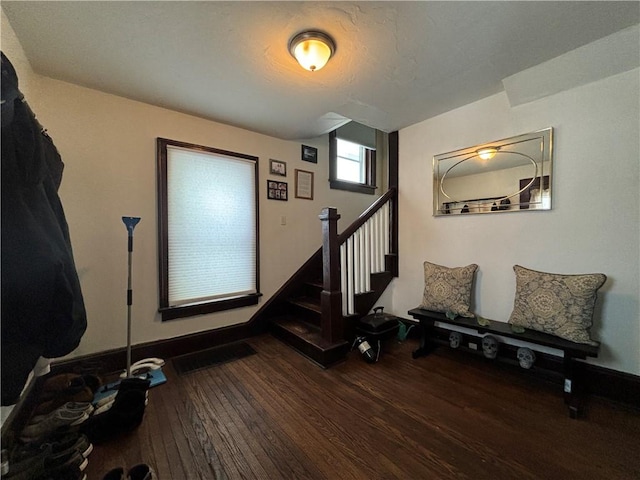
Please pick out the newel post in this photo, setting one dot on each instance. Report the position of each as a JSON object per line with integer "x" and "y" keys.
{"x": 331, "y": 296}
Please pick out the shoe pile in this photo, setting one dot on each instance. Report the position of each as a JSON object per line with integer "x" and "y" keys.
{"x": 51, "y": 446}
{"x": 139, "y": 472}
{"x": 57, "y": 456}
{"x": 64, "y": 403}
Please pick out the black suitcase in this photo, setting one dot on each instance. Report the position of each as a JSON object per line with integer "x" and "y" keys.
{"x": 378, "y": 326}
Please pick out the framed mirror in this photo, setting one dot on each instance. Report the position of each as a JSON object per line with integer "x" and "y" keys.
{"x": 513, "y": 174}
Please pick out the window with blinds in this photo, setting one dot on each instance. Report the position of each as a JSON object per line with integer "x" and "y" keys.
{"x": 208, "y": 218}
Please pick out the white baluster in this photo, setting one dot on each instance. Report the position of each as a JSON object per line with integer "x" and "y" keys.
{"x": 385, "y": 218}
{"x": 356, "y": 263}
{"x": 343, "y": 277}
{"x": 367, "y": 256}
{"x": 350, "y": 307}
{"x": 376, "y": 238}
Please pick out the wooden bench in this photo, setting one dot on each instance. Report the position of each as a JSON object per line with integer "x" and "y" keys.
{"x": 571, "y": 351}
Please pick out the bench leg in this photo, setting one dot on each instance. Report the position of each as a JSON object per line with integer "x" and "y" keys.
{"x": 426, "y": 346}
{"x": 572, "y": 394}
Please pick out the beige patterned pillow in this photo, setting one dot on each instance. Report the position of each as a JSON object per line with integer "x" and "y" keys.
{"x": 448, "y": 289}
{"x": 561, "y": 305}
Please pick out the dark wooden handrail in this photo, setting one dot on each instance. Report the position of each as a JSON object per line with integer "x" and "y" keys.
{"x": 366, "y": 215}
{"x": 332, "y": 321}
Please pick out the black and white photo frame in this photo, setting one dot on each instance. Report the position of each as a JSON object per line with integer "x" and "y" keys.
{"x": 309, "y": 154}
{"x": 277, "y": 167}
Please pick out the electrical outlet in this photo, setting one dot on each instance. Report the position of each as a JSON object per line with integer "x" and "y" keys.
{"x": 283, "y": 220}
{"x": 567, "y": 385}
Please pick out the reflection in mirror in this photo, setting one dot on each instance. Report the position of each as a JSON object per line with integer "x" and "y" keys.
{"x": 513, "y": 174}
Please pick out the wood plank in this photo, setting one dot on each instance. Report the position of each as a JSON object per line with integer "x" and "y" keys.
{"x": 445, "y": 416}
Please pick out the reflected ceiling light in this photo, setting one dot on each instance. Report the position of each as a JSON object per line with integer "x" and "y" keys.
{"x": 487, "y": 153}
{"x": 312, "y": 49}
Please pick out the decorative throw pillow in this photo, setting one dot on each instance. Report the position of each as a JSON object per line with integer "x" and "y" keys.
{"x": 561, "y": 305}
{"x": 448, "y": 289}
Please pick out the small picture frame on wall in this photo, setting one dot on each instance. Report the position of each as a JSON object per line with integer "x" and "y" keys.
{"x": 276, "y": 167}
{"x": 304, "y": 184}
{"x": 309, "y": 154}
{"x": 277, "y": 190}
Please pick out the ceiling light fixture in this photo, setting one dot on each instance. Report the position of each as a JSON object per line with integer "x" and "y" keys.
{"x": 312, "y": 49}
{"x": 487, "y": 153}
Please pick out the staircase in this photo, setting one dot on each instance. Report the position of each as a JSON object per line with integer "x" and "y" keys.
{"x": 318, "y": 308}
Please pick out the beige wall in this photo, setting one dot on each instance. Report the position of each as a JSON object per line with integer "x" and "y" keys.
{"x": 108, "y": 146}
{"x": 593, "y": 226}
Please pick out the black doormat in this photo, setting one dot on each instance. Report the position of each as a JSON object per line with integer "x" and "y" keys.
{"x": 192, "y": 362}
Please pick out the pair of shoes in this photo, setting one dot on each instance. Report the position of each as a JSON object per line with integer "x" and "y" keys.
{"x": 124, "y": 415}
{"x": 58, "y": 419}
{"x": 69, "y": 406}
{"x": 55, "y": 446}
{"x": 66, "y": 387}
{"x": 139, "y": 472}
{"x": 66, "y": 464}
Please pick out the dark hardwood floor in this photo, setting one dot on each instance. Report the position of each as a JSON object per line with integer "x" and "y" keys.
{"x": 275, "y": 415}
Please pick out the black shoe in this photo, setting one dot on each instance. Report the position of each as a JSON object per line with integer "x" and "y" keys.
{"x": 72, "y": 469}
{"x": 141, "y": 472}
{"x": 125, "y": 414}
{"x": 114, "y": 474}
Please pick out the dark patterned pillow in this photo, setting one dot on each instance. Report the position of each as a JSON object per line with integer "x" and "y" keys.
{"x": 448, "y": 289}
{"x": 561, "y": 305}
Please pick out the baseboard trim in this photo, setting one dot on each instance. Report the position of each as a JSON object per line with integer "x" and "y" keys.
{"x": 620, "y": 387}
{"x": 110, "y": 361}
{"x": 611, "y": 384}
{"x": 600, "y": 381}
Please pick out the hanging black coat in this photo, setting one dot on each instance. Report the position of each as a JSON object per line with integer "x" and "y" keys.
{"x": 43, "y": 311}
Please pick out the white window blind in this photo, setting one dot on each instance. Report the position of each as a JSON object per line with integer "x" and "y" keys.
{"x": 211, "y": 210}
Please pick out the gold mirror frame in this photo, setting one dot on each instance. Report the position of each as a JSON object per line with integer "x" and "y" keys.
{"x": 513, "y": 174}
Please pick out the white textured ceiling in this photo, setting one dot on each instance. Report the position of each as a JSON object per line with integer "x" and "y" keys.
{"x": 396, "y": 63}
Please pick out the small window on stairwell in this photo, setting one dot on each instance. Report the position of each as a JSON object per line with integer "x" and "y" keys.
{"x": 352, "y": 152}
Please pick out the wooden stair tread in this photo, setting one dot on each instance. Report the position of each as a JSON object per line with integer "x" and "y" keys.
{"x": 306, "y": 331}
{"x": 307, "y": 303}
{"x": 307, "y": 340}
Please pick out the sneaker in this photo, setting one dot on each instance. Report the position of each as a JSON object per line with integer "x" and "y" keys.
{"x": 69, "y": 406}
{"x": 69, "y": 443}
{"x": 69, "y": 472}
{"x": 27, "y": 459}
{"x": 52, "y": 422}
{"x": 104, "y": 400}
{"x": 76, "y": 394}
{"x": 49, "y": 466}
{"x": 141, "y": 472}
{"x": 64, "y": 445}
{"x": 70, "y": 469}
